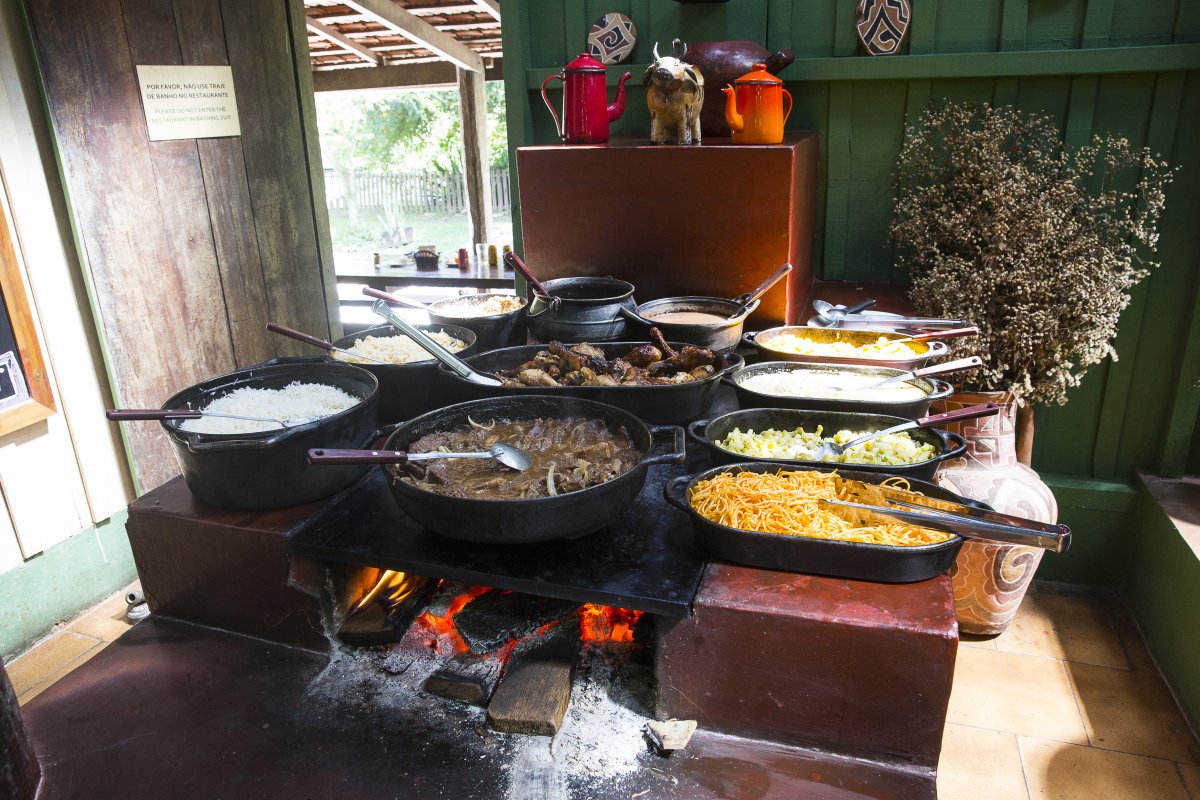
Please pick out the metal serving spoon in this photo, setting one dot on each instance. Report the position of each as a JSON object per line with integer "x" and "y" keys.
{"x": 460, "y": 367}
{"x": 937, "y": 369}
{"x": 832, "y": 449}
{"x": 745, "y": 300}
{"x": 511, "y": 457}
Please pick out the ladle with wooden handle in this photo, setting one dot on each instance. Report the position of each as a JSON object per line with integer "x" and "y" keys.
{"x": 393, "y": 299}
{"x": 514, "y": 261}
{"x": 301, "y": 336}
{"x": 833, "y": 450}
{"x": 506, "y": 454}
{"x": 456, "y": 364}
{"x": 132, "y": 414}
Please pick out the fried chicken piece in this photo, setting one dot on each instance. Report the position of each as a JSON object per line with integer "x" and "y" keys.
{"x": 643, "y": 355}
{"x": 685, "y": 360}
{"x": 587, "y": 350}
{"x": 591, "y": 378}
{"x": 657, "y": 336}
{"x": 536, "y": 377}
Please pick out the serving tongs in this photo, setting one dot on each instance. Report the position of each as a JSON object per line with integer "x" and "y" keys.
{"x": 456, "y": 364}
{"x": 968, "y": 522}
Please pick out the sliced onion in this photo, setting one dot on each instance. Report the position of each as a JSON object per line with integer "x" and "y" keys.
{"x": 550, "y": 481}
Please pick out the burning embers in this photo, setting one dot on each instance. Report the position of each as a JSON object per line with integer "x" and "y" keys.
{"x": 509, "y": 652}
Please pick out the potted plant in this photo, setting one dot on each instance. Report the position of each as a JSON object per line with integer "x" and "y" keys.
{"x": 1040, "y": 245}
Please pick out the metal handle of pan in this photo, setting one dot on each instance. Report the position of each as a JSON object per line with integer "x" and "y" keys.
{"x": 673, "y": 492}
{"x": 678, "y": 451}
{"x": 698, "y": 430}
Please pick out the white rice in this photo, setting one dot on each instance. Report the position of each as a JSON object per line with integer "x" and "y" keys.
{"x": 294, "y": 404}
{"x": 398, "y": 349}
{"x": 496, "y": 304}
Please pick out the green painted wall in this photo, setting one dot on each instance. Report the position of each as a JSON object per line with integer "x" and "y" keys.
{"x": 1130, "y": 67}
{"x": 57, "y": 584}
{"x": 1164, "y": 591}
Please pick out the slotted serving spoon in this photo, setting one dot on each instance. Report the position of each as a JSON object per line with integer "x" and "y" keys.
{"x": 833, "y": 450}
{"x": 512, "y": 457}
{"x": 301, "y": 336}
{"x": 460, "y": 367}
{"x": 131, "y": 414}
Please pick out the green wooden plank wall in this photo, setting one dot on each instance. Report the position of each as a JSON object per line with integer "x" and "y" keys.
{"x": 1124, "y": 66}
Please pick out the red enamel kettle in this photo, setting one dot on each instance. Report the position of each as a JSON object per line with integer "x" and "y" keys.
{"x": 586, "y": 112}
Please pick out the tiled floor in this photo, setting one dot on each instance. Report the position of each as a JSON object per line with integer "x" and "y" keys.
{"x": 1065, "y": 705}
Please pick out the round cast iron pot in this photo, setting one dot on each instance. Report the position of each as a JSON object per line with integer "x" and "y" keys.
{"x": 709, "y": 432}
{"x": 491, "y": 331}
{"x": 907, "y": 409}
{"x": 406, "y": 390}
{"x": 537, "y": 519}
{"x": 853, "y": 560}
{"x": 270, "y": 469}
{"x": 657, "y": 405}
{"x": 723, "y": 335}
{"x": 580, "y": 310}
{"x": 763, "y": 341}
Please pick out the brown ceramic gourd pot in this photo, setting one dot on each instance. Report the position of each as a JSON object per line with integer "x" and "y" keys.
{"x": 723, "y": 63}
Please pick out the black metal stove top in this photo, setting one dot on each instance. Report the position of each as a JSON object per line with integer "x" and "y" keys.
{"x": 644, "y": 561}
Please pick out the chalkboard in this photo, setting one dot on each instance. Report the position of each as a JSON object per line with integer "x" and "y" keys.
{"x": 14, "y": 387}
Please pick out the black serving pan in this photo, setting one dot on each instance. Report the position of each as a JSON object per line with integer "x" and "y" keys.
{"x": 709, "y": 432}
{"x": 853, "y": 560}
{"x": 665, "y": 404}
{"x": 407, "y": 390}
{"x": 270, "y": 469}
{"x": 536, "y": 519}
{"x": 907, "y": 409}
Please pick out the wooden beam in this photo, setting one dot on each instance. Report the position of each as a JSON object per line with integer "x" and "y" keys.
{"x": 472, "y": 104}
{"x": 420, "y": 31}
{"x": 491, "y": 7}
{"x": 325, "y": 32}
{"x": 438, "y": 73}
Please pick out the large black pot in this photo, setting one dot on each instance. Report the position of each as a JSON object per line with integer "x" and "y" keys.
{"x": 270, "y": 469}
{"x": 580, "y": 310}
{"x": 853, "y": 560}
{"x": 408, "y": 390}
{"x": 664, "y": 404}
{"x": 908, "y": 409}
{"x": 709, "y": 432}
{"x": 537, "y": 519}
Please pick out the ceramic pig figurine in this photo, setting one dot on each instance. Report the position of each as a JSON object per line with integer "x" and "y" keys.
{"x": 675, "y": 95}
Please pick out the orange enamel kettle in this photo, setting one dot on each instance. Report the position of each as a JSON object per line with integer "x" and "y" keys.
{"x": 754, "y": 107}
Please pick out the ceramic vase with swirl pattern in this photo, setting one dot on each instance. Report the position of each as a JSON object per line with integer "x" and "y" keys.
{"x": 990, "y": 580}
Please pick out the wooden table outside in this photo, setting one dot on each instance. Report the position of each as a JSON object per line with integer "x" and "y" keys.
{"x": 408, "y": 275}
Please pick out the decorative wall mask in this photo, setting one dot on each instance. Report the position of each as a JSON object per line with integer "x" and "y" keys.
{"x": 882, "y": 25}
{"x": 611, "y": 39}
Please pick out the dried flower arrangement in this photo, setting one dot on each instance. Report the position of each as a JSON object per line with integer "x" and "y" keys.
{"x": 1036, "y": 243}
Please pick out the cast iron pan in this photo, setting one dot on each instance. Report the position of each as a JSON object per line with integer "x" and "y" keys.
{"x": 709, "y": 432}
{"x": 537, "y": 519}
{"x": 853, "y": 560}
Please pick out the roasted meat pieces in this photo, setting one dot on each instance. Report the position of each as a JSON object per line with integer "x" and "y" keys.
{"x": 585, "y": 365}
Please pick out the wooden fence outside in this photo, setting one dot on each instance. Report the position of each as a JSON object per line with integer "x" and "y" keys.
{"x": 414, "y": 192}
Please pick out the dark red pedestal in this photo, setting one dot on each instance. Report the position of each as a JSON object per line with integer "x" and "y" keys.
{"x": 712, "y": 220}
{"x": 848, "y": 667}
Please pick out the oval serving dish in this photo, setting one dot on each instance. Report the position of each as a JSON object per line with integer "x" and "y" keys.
{"x": 907, "y": 408}
{"x": 768, "y": 344}
{"x": 789, "y": 553}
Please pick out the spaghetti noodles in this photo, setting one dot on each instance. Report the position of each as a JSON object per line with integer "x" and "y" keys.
{"x": 788, "y": 502}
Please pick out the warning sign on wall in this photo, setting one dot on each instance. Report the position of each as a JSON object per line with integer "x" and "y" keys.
{"x": 188, "y": 102}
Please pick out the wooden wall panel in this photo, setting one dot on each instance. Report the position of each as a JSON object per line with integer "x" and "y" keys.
{"x": 189, "y": 246}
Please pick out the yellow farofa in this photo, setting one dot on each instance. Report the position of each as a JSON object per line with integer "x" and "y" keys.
{"x": 788, "y": 502}
{"x": 882, "y": 347}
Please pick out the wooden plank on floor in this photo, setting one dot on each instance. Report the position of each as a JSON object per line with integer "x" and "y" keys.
{"x": 536, "y": 688}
